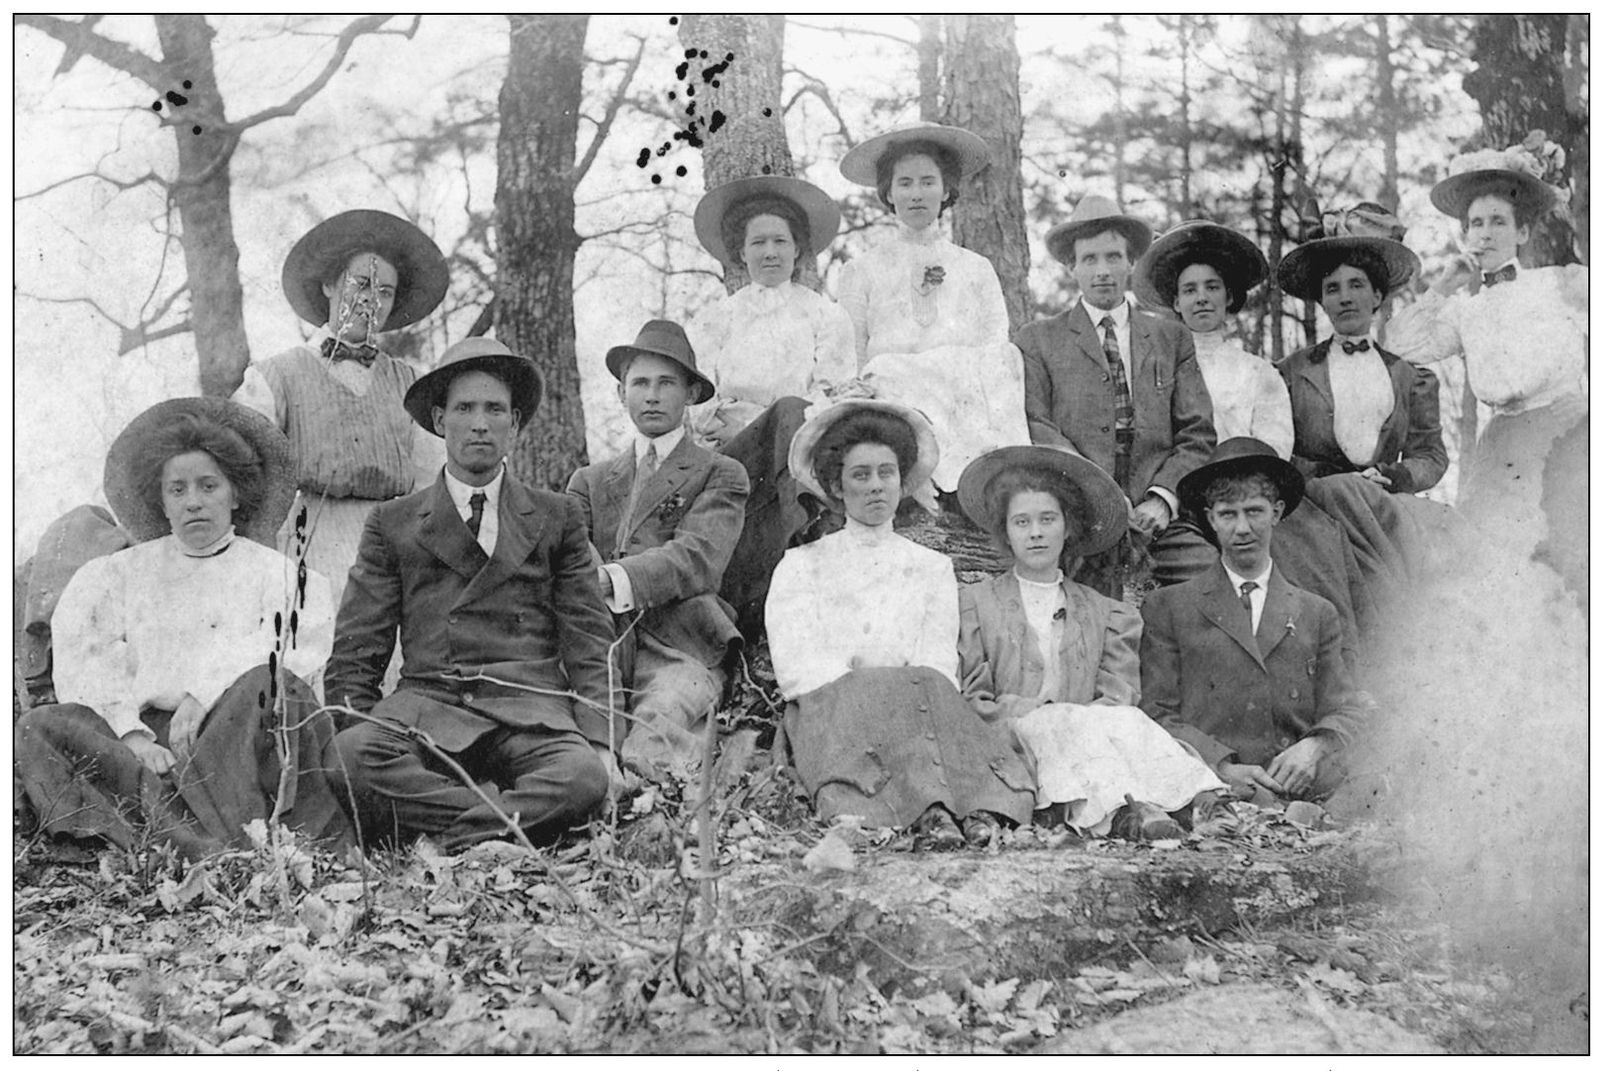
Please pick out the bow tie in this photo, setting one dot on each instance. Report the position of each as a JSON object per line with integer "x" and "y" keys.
{"x": 333, "y": 350}
{"x": 1355, "y": 347}
{"x": 1500, "y": 275}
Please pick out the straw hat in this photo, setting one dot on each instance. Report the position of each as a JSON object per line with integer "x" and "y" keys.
{"x": 1094, "y": 214}
{"x": 662, "y": 338}
{"x": 1507, "y": 173}
{"x": 319, "y": 254}
{"x": 1104, "y": 507}
{"x": 861, "y": 164}
{"x": 476, "y": 355}
{"x": 1367, "y": 227}
{"x": 1199, "y": 241}
{"x": 144, "y": 519}
{"x": 823, "y": 214}
{"x": 808, "y": 436}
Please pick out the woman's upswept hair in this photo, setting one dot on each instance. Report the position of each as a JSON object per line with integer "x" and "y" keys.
{"x": 1364, "y": 260}
{"x": 944, "y": 159}
{"x": 867, "y": 427}
{"x": 189, "y": 433}
{"x": 1012, "y": 481}
{"x": 739, "y": 217}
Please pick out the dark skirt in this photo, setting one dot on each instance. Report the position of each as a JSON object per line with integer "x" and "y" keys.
{"x": 80, "y": 780}
{"x": 774, "y": 510}
{"x": 887, "y": 743}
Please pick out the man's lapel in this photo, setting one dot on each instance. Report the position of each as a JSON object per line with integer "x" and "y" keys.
{"x": 611, "y": 503}
{"x": 1144, "y": 353}
{"x": 520, "y": 528}
{"x": 1220, "y": 605}
{"x": 1087, "y": 340}
{"x": 671, "y": 475}
{"x": 445, "y": 534}
{"x": 1278, "y": 613}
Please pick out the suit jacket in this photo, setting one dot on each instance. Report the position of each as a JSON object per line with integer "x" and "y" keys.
{"x": 1001, "y": 663}
{"x": 1070, "y": 401}
{"x": 677, "y": 543}
{"x": 1410, "y": 450}
{"x": 1227, "y": 692}
{"x": 531, "y": 615}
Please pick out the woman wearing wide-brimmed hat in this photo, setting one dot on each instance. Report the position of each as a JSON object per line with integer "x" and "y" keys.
{"x": 771, "y": 349}
{"x": 182, "y": 661}
{"x": 338, "y": 397}
{"x": 863, "y": 633}
{"x": 931, "y": 326}
{"x": 1521, "y": 333}
{"x": 1057, "y": 661}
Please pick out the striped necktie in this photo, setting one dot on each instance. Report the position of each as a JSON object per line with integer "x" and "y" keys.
{"x": 1124, "y": 430}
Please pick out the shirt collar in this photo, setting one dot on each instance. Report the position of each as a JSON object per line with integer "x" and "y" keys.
{"x": 1261, "y": 581}
{"x": 665, "y": 443}
{"x": 461, "y": 492}
{"x": 1121, "y": 314}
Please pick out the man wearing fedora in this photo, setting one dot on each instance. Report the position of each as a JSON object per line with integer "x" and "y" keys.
{"x": 665, "y": 517}
{"x": 491, "y": 587}
{"x": 1118, "y": 385}
{"x": 1238, "y": 662}
{"x": 338, "y": 397}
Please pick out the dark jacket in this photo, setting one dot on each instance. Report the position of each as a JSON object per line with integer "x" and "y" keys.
{"x": 1070, "y": 402}
{"x": 531, "y": 615}
{"x": 1410, "y": 451}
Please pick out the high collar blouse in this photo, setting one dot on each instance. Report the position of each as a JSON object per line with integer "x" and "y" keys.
{"x": 860, "y": 597}
{"x": 148, "y": 625}
{"x": 763, "y": 343}
{"x": 1247, "y": 393}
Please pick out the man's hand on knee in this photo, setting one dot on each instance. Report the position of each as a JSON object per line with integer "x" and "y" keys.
{"x": 1243, "y": 777}
{"x": 1295, "y": 767}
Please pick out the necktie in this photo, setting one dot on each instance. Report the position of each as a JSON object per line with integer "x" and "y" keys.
{"x": 478, "y": 500}
{"x": 1355, "y": 347}
{"x": 1123, "y": 404}
{"x": 1501, "y": 275}
{"x": 334, "y": 350}
{"x": 1244, "y": 600}
{"x": 641, "y": 479}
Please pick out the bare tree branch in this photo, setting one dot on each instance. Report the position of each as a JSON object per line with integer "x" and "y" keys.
{"x": 611, "y": 109}
{"x": 121, "y": 184}
{"x": 815, "y": 87}
{"x": 851, "y": 31}
{"x": 81, "y": 39}
{"x": 344, "y": 41}
{"x": 129, "y": 337}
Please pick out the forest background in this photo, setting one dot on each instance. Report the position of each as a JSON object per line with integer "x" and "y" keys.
{"x": 164, "y": 166}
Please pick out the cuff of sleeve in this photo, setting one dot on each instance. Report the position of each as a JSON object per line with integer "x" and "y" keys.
{"x": 621, "y": 600}
{"x": 1397, "y": 472}
{"x": 1168, "y": 498}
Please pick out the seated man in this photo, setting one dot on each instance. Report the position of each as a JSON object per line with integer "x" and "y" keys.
{"x": 505, "y": 638}
{"x": 665, "y": 517}
{"x": 1237, "y": 661}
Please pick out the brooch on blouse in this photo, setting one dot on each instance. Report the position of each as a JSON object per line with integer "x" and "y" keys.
{"x": 670, "y": 506}
{"x": 924, "y": 302}
{"x": 935, "y": 275}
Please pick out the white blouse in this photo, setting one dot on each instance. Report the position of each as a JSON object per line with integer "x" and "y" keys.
{"x": 149, "y": 624}
{"x": 1364, "y": 398}
{"x": 1043, "y": 601}
{"x": 1524, "y": 341}
{"x": 763, "y": 343}
{"x": 1248, "y": 396}
{"x": 856, "y": 598}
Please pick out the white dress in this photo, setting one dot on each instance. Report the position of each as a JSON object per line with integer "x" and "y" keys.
{"x": 149, "y": 624}
{"x": 944, "y": 348}
{"x": 1248, "y": 397}
{"x": 763, "y": 343}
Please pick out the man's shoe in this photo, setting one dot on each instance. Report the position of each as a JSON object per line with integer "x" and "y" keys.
{"x": 979, "y": 828}
{"x": 1144, "y": 821}
{"x": 936, "y": 831}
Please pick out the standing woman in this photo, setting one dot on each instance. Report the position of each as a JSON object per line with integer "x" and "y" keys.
{"x": 770, "y": 349}
{"x": 863, "y": 631}
{"x": 929, "y": 320}
{"x": 1057, "y": 661}
{"x": 171, "y": 654}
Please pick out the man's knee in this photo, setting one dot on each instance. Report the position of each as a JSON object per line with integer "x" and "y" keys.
{"x": 363, "y": 748}
{"x": 584, "y": 775}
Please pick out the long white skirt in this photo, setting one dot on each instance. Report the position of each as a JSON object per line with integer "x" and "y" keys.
{"x": 1092, "y": 757}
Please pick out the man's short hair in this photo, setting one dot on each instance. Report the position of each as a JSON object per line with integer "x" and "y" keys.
{"x": 490, "y": 369}
{"x": 1126, "y": 242}
{"x": 1238, "y": 488}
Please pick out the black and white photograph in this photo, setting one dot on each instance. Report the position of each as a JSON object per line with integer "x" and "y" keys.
{"x": 804, "y": 536}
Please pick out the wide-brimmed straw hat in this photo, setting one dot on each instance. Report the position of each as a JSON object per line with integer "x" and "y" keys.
{"x": 1199, "y": 241}
{"x": 476, "y": 355}
{"x": 1095, "y": 214}
{"x": 823, "y": 214}
{"x": 325, "y": 250}
{"x": 1239, "y": 456}
{"x": 808, "y": 436}
{"x": 662, "y": 338}
{"x": 861, "y": 164}
{"x": 143, "y": 517}
{"x": 1367, "y": 227}
{"x": 1505, "y": 173}
{"x": 1104, "y": 507}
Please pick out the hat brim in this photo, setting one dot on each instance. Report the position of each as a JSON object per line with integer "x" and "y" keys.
{"x": 1061, "y": 240}
{"x": 1297, "y": 271}
{"x": 526, "y": 386}
{"x": 823, "y": 214}
{"x": 808, "y": 436}
{"x": 618, "y": 357}
{"x": 319, "y": 254}
{"x": 1237, "y": 259}
{"x": 861, "y": 164}
{"x": 1454, "y": 194}
{"x": 144, "y": 519}
{"x": 1104, "y": 505}
{"x": 1191, "y": 488}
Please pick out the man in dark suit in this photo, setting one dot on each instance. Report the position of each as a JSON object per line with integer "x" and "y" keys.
{"x": 491, "y": 587}
{"x": 1244, "y": 666}
{"x": 665, "y": 517}
{"x": 1118, "y": 385}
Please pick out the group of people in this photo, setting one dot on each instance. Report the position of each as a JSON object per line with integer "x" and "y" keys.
{"x": 342, "y": 611}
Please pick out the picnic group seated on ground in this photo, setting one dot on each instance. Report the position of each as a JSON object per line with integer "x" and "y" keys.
{"x": 333, "y": 599}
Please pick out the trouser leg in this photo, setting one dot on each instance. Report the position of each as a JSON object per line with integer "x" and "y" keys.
{"x": 547, "y": 780}
{"x": 672, "y": 696}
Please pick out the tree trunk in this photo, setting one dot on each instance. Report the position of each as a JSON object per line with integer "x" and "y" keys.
{"x": 736, "y": 74}
{"x": 1577, "y": 76}
{"x": 981, "y": 93}
{"x": 1519, "y": 85}
{"x": 930, "y": 56}
{"x": 537, "y": 235}
{"x": 1389, "y": 117}
{"x": 201, "y": 193}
